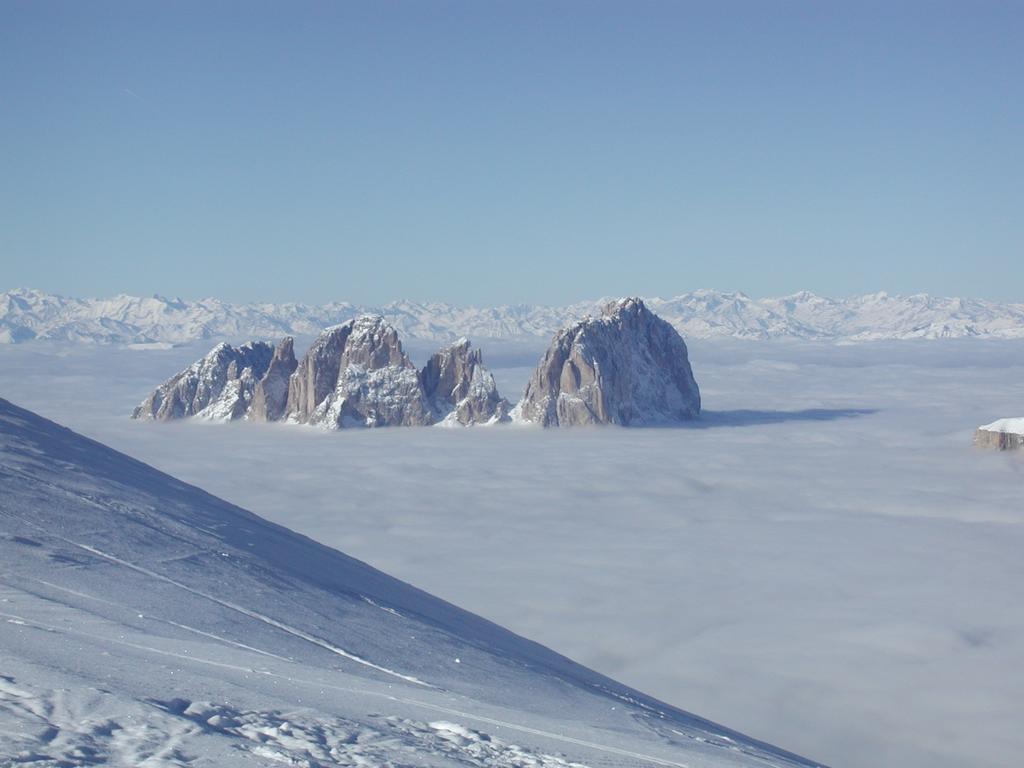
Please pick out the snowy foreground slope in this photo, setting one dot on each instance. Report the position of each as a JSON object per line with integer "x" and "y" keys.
{"x": 145, "y": 622}
{"x": 29, "y": 314}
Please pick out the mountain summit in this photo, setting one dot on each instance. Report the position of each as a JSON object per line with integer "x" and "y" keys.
{"x": 627, "y": 367}
{"x": 357, "y": 374}
{"x": 461, "y": 390}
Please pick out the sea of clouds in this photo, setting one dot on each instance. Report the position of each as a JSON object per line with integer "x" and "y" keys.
{"x": 822, "y": 561}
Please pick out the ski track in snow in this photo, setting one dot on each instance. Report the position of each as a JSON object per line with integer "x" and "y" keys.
{"x": 231, "y": 606}
{"x": 151, "y": 617}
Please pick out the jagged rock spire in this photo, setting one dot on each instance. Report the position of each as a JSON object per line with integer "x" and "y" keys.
{"x": 460, "y": 388}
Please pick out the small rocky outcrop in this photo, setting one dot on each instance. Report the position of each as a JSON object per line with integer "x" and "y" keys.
{"x": 270, "y": 397}
{"x": 460, "y": 389}
{"x": 627, "y": 367}
{"x": 1001, "y": 435}
{"x": 356, "y": 374}
{"x": 220, "y": 386}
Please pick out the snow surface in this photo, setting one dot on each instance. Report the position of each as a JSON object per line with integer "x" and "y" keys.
{"x": 144, "y": 621}
{"x": 29, "y": 314}
{"x": 821, "y": 560}
{"x": 1011, "y": 426}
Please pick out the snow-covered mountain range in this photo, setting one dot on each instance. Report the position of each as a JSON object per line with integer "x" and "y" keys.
{"x": 146, "y": 622}
{"x": 30, "y": 314}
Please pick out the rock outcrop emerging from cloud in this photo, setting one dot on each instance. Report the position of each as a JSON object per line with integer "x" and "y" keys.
{"x": 460, "y": 389}
{"x": 1002, "y": 435}
{"x": 270, "y": 398}
{"x": 220, "y": 386}
{"x": 355, "y": 374}
{"x": 626, "y": 367}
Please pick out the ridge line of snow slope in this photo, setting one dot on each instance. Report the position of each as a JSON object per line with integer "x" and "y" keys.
{"x": 29, "y": 314}
{"x": 71, "y": 489}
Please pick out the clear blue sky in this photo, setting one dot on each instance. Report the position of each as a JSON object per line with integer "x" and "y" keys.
{"x": 488, "y": 152}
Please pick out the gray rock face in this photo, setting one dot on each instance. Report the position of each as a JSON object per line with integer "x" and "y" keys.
{"x": 270, "y": 397}
{"x": 460, "y": 389}
{"x": 220, "y": 386}
{"x": 317, "y": 373}
{"x": 627, "y": 367}
{"x": 356, "y": 374}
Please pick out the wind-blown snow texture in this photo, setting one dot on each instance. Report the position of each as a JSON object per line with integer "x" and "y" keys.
{"x": 142, "y": 619}
{"x": 29, "y": 314}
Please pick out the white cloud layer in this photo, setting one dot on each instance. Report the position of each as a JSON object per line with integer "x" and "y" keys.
{"x": 842, "y": 579}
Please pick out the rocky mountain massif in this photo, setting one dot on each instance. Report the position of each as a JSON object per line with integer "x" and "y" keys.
{"x": 1002, "y": 435}
{"x": 354, "y": 374}
{"x": 626, "y": 367}
{"x": 28, "y": 314}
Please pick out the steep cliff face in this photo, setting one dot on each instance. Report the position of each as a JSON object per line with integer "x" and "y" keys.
{"x": 1002, "y": 435}
{"x": 460, "y": 389}
{"x": 357, "y": 375}
{"x": 220, "y": 386}
{"x": 270, "y": 397}
{"x": 316, "y": 375}
{"x": 627, "y": 367}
